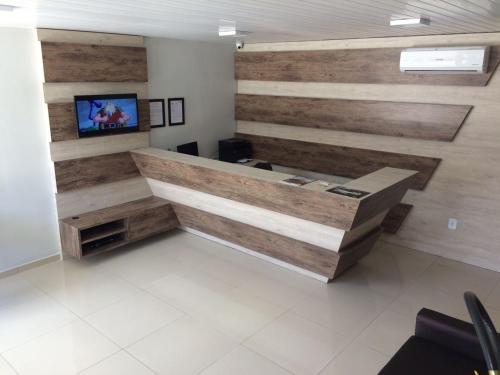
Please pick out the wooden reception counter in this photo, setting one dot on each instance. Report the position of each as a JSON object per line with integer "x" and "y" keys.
{"x": 305, "y": 227}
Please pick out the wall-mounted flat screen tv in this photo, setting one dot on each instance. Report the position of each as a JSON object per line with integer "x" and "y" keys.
{"x": 106, "y": 114}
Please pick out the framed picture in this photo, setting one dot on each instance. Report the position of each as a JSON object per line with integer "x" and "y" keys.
{"x": 176, "y": 111}
{"x": 157, "y": 112}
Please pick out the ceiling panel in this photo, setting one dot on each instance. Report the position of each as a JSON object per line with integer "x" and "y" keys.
{"x": 267, "y": 20}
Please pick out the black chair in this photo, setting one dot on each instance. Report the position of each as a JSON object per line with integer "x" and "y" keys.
{"x": 444, "y": 345}
{"x": 190, "y": 148}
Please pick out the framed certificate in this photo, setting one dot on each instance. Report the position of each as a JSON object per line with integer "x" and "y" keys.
{"x": 157, "y": 112}
{"x": 176, "y": 111}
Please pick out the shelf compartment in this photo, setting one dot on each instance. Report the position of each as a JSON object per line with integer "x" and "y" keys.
{"x": 103, "y": 244}
{"x": 101, "y": 231}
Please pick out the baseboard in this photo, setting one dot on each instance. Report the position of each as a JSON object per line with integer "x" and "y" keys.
{"x": 30, "y": 265}
{"x": 257, "y": 255}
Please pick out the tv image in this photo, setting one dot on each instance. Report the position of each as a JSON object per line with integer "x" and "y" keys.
{"x": 106, "y": 114}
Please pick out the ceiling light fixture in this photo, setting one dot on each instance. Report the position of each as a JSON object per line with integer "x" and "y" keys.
{"x": 410, "y": 21}
{"x": 228, "y": 28}
{"x": 7, "y": 8}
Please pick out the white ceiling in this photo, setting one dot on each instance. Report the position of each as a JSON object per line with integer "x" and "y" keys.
{"x": 268, "y": 20}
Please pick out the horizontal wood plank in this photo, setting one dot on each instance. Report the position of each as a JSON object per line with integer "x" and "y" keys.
{"x": 86, "y": 172}
{"x": 65, "y": 92}
{"x": 395, "y": 218}
{"x": 71, "y": 62}
{"x": 62, "y": 120}
{"x": 439, "y": 122}
{"x": 76, "y": 202}
{"x": 338, "y": 160}
{"x": 94, "y": 146}
{"x": 380, "y": 65}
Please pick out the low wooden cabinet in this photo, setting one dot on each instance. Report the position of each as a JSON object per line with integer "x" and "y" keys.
{"x": 103, "y": 230}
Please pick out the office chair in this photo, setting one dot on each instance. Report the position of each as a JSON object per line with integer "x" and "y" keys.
{"x": 444, "y": 345}
{"x": 190, "y": 148}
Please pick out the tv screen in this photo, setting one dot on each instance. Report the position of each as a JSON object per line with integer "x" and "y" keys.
{"x": 106, "y": 114}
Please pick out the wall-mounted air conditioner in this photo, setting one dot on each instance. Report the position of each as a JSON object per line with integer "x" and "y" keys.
{"x": 448, "y": 59}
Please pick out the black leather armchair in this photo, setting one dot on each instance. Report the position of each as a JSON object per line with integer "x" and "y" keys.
{"x": 441, "y": 345}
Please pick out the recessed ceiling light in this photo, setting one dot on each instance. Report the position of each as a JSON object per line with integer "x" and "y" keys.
{"x": 410, "y": 21}
{"x": 7, "y": 8}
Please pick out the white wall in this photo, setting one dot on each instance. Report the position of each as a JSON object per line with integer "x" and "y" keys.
{"x": 28, "y": 220}
{"x": 202, "y": 73}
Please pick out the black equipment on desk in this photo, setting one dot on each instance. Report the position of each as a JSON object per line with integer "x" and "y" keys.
{"x": 234, "y": 149}
{"x": 190, "y": 148}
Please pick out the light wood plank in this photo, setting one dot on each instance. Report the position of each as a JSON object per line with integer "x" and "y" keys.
{"x": 86, "y": 172}
{"x": 68, "y": 62}
{"x": 439, "y": 122}
{"x": 380, "y": 65}
{"x": 95, "y": 146}
{"x": 66, "y": 92}
{"x": 83, "y": 37}
{"x": 97, "y": 197}
{"x": 387, "y": 42}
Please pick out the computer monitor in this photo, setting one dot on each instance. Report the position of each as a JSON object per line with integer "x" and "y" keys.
{"x": 189, "y": 148}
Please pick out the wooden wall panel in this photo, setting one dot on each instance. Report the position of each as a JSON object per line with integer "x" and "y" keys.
{"x": 64, "y": 93}
{"x": 102, "y": 39}
{"x": 395, "y": 217}
{"x": 62, "y": 120}
{"x": 379, "y": 65}
{"x": 86, "y": 172}
{"x": 338, "y": 160}
{"x": 439, "y": 122}
{"x": 71, "y": 62}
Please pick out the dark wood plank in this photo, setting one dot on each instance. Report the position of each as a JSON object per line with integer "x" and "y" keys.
{"x": 62, "y": 120}
{"x": 71, "y": 62}
{"x": 306, "y": 256}
{"x": 376, "y": 65}
{"x": 337, "y": 160}
{"x": 91, "y": 171}
{"x": 438, "y": 122}
{"x": 151, "y": 221}
{"x": 396, "y": 217}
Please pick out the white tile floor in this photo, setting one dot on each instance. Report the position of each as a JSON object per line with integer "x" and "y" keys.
{"x": 179, "y": 304}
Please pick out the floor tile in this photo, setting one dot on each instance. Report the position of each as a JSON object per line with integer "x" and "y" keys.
{"x": 272, "y": 291}
{"x": 356, "y": 359}
{"x": 88, "y": 296}
{"x": 388, "y": 270}
{"x": 5, "y": 368}
{"x": 182, "y": 348}
{"x": 238, "y": 314}
{"x": 226, "y": 271}
{"x": 133, "y": 318}
{"x": 420, "y": 296}
{"x": 388, "y": 332}
{"x": 189, "y": 292}
{"x": 243, "y": 361}
{"x": 297, "y": 344}
{"x": 120, "y": 363}
{"x": 493, "y": 299}
{"x": 14, "y": 290}
{"x": 455, "y": 278}
{"x": 22, "y": 322}
{"x": 64, "y": 351}
{"x": 341, "y": 311}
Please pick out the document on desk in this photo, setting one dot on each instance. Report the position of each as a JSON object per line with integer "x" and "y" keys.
{"x": 297, "y": 181}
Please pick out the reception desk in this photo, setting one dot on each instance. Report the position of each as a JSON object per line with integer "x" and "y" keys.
{"x": 306, "y": 227}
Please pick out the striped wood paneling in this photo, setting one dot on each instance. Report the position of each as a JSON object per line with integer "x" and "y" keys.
{"x": 338, "y": 160}
{"x": 379, "y": 65}
{"x": 62, "y": 120}
{"x": 94, "y": 198}
{"x": 439, "y": 122}
{"x": 86, "y": 172}
{"x": 312, "y": 258}
{"x": 69, "y": 62}
{"x": 95, "y": 146}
